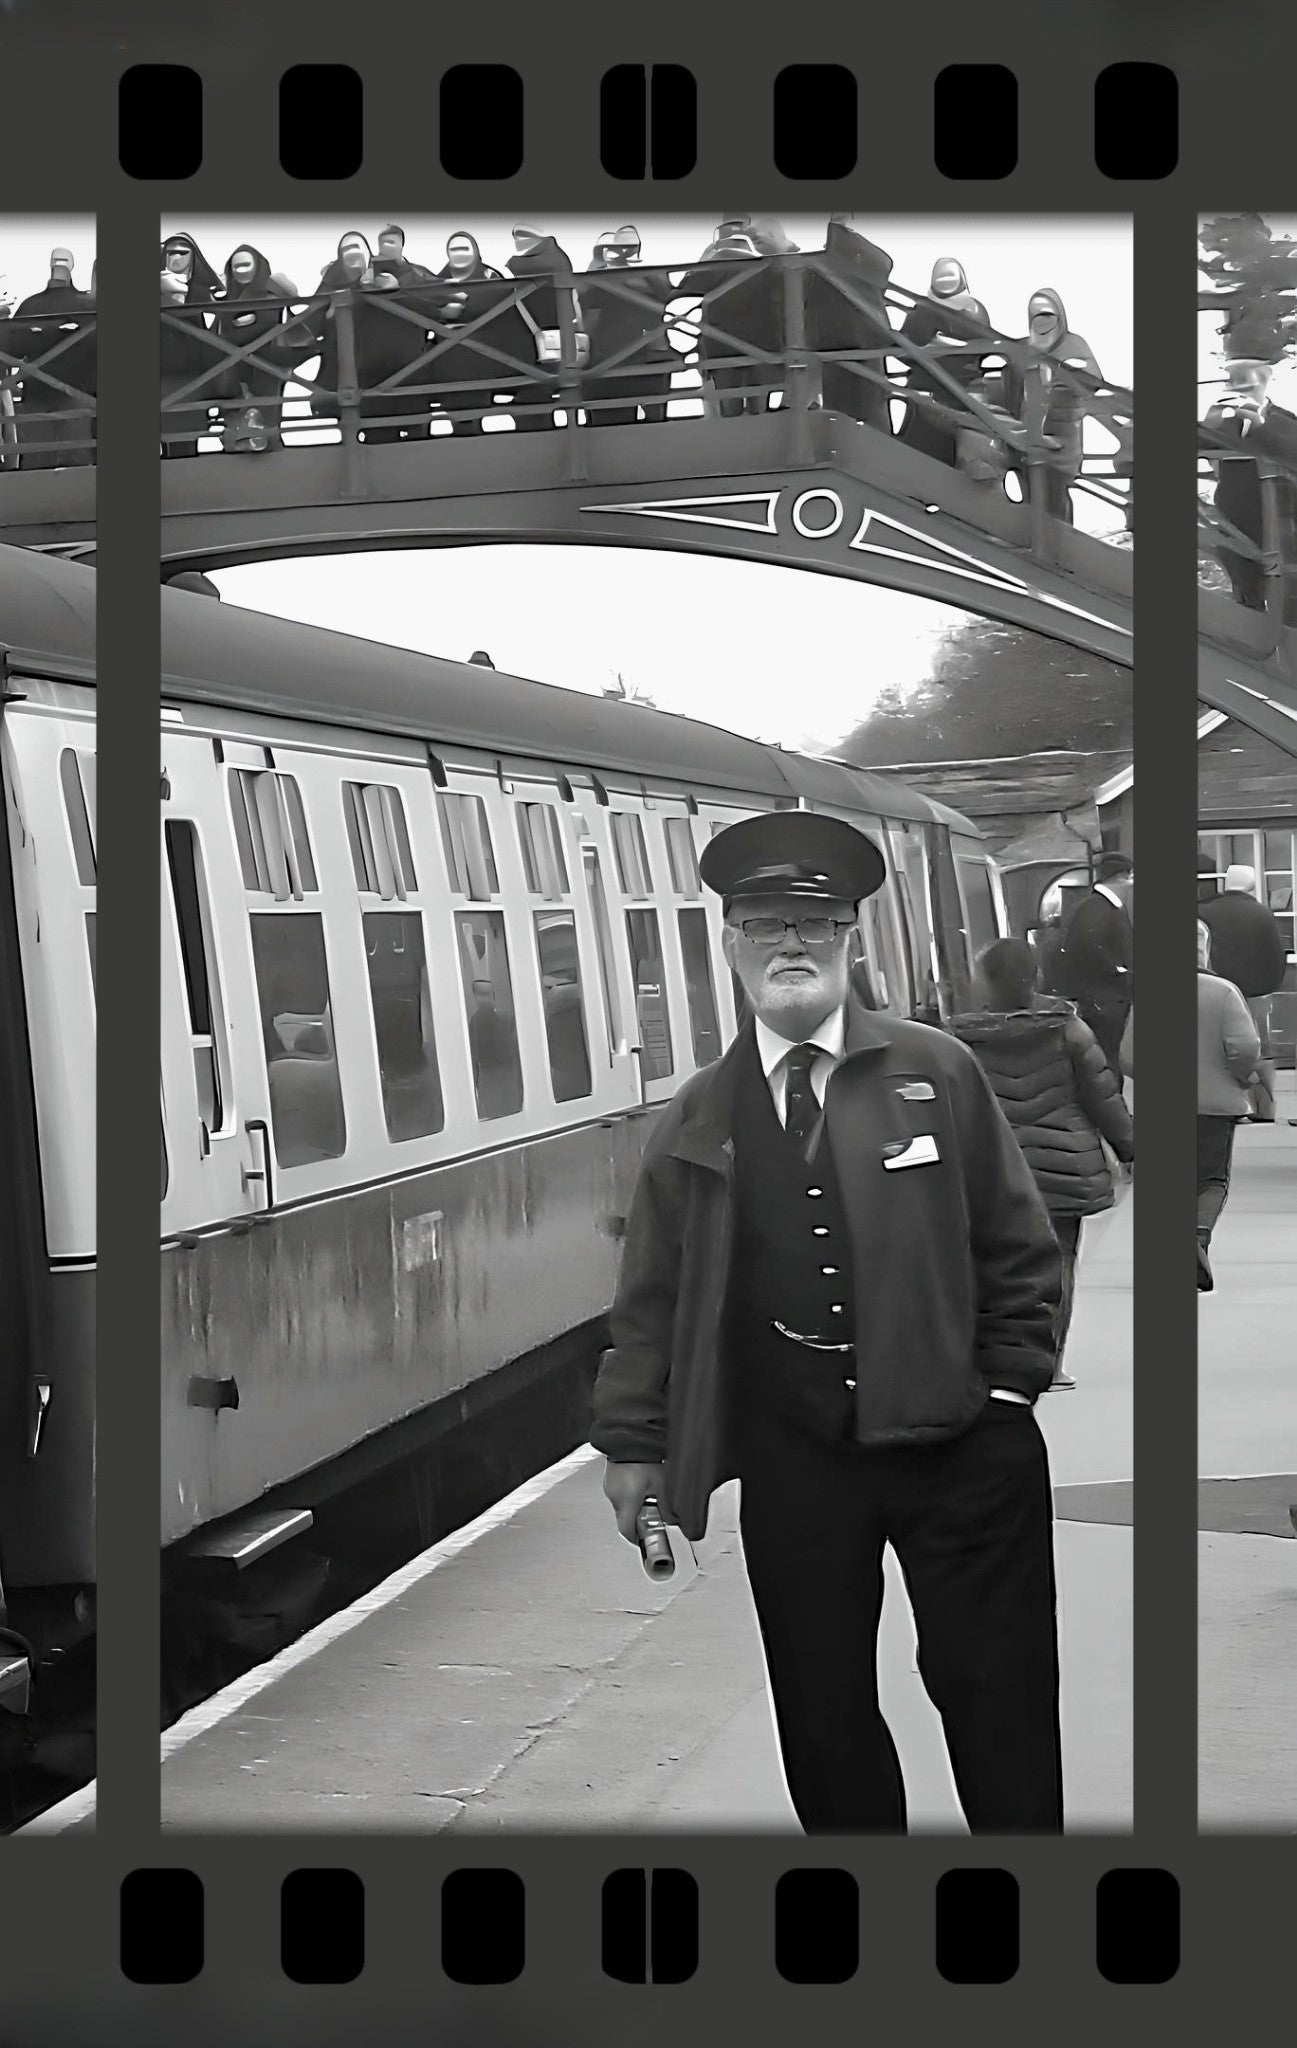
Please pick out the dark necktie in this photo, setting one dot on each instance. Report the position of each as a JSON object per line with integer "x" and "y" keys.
{"x": 801, "y": 1110}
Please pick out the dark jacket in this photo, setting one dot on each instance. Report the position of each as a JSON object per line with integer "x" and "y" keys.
{"x": 1247, "y": 942}
{"x": 956, "y": 1272}
{"x": 1057, "y": 1090}
{"x": 1098, "y": 953}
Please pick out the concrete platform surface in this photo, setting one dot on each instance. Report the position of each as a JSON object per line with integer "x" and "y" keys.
{"x": 527, "y": 1675}
{"x": 1247, "y": 1429}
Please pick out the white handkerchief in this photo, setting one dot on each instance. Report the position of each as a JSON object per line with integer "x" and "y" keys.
{"x": 921, "y": 1151}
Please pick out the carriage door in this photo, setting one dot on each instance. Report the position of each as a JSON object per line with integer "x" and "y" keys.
{"x": 886, "y": 939}
{"x": 905, "y": 844}
{"x": 658, "y": 1020}
{"x": 212, "y": 1090}
{"x": 952, "y": 938}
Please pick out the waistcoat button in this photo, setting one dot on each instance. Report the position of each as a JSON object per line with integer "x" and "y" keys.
{"x": 835, "y": 1308}
{"x": 815, "y": 1191}
{"x": 828, "y": 1269}
{"x": 819, "y": 1230}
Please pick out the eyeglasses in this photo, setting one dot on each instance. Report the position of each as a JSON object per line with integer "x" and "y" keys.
{"x": 812, "y": 931}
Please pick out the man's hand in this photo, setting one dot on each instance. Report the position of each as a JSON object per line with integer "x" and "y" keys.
{"x": 628, "y": 1487}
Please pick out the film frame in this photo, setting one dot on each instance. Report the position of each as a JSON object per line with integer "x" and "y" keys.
{"x": 1229, "y": 1889}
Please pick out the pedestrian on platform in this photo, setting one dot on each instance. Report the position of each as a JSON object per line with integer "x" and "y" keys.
{"x": 53, "y": 424}
{"x": 1229, "y": 1046}
{"x": 1062, "y": 365}
{"x": 839, "y": 1285}
{"x": 538, "y": 262}
{"x": 252, "y": 308}
{"x": 1058, "y": 1091}
{"x": 947, "y": 322}
{"x": 186, "y": 356}
{"x": 1097, "y": 966}
{"x": 1249, "y": 949}
{"x": 471, "y": 288}
{"x": 846, "y": 309}
{"x": 740, "y": 320}
{"x": 627, "y": 328}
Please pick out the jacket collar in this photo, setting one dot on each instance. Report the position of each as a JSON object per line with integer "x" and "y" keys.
{"x": 705, "y": 1133}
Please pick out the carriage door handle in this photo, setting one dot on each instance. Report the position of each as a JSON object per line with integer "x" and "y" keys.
{"x": 260, "y": 1174}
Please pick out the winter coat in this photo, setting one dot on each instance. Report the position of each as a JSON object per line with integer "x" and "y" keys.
{"x": 965, "y": 321}
{"x": 957, "y": 1275}
{"x": 1057, "y": 1090}
{"x": 1229, "y": 1046}
{"x": 239, "y": 323}
{"x": 1247, "y": 942}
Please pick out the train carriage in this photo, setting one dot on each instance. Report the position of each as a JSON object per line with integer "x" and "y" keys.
{"x": 435, "y": 952}
{"x": 47, "y": 1073}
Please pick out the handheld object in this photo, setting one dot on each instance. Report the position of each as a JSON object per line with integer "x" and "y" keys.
{"x": 654, "y": 1543}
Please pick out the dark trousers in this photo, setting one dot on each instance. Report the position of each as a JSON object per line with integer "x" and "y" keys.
{"x": 1215, "y": 1149}
{"x": 1067, "y": 1230}
{"x": 970, "y": 1521}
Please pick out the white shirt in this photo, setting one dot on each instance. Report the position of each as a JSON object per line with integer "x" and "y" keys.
{"x": 773, "y": 1049}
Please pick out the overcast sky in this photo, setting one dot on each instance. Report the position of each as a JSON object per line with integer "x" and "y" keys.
{"x": 25, "y": 243}
{"x": 1211, "y": 376}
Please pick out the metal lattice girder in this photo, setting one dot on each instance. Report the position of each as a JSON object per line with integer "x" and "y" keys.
{"x": 1257, "y": 697}
{"x": 813, "y": 491}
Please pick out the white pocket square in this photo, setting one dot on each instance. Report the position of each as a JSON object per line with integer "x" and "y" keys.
{"x": 921, "y": 1151}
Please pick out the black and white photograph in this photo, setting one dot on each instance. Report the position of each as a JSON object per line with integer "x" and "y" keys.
{"x": 1247, "y": 1016}
{"x": 647, "y": 1023}
{"x": 47, "y": 1016}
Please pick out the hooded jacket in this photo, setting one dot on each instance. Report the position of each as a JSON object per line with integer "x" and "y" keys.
{"x": 240, "y": 323}
{"x": 957, "y": 1275}
{"x": 956, "y": 316}
{"x": 1051, "y": 1079}
{"x": 1247, "y": 942}
{"x": 203, "y": 280}
{"x": 1064, "y": 398}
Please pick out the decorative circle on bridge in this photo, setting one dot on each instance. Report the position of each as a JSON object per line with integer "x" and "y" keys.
{"x": 816, "y": 532}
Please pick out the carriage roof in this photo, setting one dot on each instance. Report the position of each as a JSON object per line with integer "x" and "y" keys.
{"x": 219, "y": 653}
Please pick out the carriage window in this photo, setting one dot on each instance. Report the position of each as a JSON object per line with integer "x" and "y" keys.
{"x": 166, "y": 1172}
{"x": 492, "y": 1025}
{"x": 632, "y": 860}
{"x": 684, "y": 860}
{"x": 379, "y": 840}
{"x": 560, "y": 982}
{"x": 542, "y": 850}
{"x": 91, "y": 942}
{"x": 603, "y": 933}
{"x": 699, "y": 986}
{"x": 401, "y": 1000}
{"x": 270, "y": 830}
{"x": 297, "y": 1033}
{"x": 650, "y": 993}
{"x": 983, "y": 925}
{"x": 466, "y": 836}
{"x": 197, "y": 953}
{"x": 76, "y": 773}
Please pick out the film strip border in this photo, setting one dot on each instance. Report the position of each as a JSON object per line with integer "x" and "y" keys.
{"x": 648, "y": 120}
{"x": 651, "y": 1926}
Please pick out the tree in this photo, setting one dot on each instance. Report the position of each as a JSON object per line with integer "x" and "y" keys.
{"x": 1255, "y": 280}
{"x": 998, "y": 691}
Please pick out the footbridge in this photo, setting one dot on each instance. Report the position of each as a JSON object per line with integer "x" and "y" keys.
{"x": 778, "y": 410}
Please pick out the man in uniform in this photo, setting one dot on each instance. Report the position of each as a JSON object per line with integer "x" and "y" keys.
{"x": 839, "y": 1285}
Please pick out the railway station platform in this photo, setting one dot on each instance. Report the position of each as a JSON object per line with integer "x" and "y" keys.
{"x": 525, "y": 1674}
{"x": 1247, "y": 1459}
